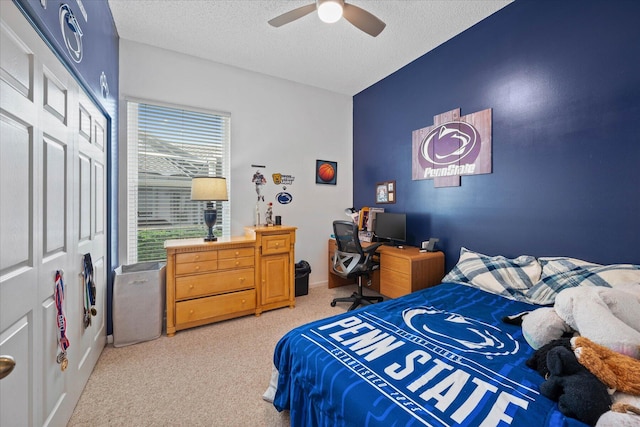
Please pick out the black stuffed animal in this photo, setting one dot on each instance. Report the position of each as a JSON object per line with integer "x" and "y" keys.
{"x": 579, "y": 393}
{"x": 538, "y": 361}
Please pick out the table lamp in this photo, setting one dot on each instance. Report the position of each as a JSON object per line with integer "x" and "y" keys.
{"x": 211, "y": 189}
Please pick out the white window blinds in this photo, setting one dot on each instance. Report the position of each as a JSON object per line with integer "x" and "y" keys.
{"x": 166, "y": 147}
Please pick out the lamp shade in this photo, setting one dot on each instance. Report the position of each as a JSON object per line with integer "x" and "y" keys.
{"x": 209, "y": 188}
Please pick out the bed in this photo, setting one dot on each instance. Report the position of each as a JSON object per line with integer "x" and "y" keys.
{"x": 443, "y": 356}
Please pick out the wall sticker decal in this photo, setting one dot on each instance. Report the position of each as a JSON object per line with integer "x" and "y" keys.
{"x": 326, "y": 172}
{"x": 283, "y": 197}
{"x": 71, "y": 33}
{"x": 452, "y": 147}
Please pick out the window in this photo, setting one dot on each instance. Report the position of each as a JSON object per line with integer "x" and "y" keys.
{"x": 166, "y": 147}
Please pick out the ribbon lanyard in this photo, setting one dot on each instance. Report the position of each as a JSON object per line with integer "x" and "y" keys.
{"x": 63, "y": 341}
{"x": 89, "y": 291}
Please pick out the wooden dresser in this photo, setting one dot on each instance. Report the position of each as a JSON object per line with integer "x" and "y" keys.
{"x": 213, "y": 281}
{"x": 401, "y": 271}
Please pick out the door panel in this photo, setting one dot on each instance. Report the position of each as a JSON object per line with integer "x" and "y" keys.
{"x": 52, "y": 212}
{"x": 15, "y": 407}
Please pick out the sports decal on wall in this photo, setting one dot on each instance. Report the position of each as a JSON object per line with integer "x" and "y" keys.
{"x": 259, "y": 182}
{"x": 452, "y": 147}
{"x": 326, "y": 172}
{"x": 279, "y": 178}
{"x": 104, "y": 85}
{"x": 71, "y": 33}
{"x": 283, "y": 197}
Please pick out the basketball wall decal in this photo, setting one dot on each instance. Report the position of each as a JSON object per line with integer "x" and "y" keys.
{"x": 326, "y": 172}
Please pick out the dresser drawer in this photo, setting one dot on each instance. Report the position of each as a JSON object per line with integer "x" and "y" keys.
{"x": 390, "y": 262}
{"x": 190, "y": 257}
{"x": 196, "y": 267}
{"x": 219, "y": 305}
{"x": 244, "y": 262}
{"x": 394, "y": 284}
{"x": 276, "y": 244}
{"x": 235, "y": 253}
{"x": 214, "y": 283}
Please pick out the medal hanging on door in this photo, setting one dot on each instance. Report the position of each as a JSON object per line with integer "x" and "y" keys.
{"x": 61, "y": 322}
{"x": 89, "y": 291}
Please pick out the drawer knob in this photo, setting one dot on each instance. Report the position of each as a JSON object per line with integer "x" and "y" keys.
{"x": 197, "y": 267}
{"x": 197, "y": 257}
{"x": 190, "y": 311}
{"x": 237, "y": 262}
{"x": 243, "y": 301}
{"x": 241, "y": 279}
{"x": 190, "y": 286}
{"x": 277, "y": 244}
{"x": 237, "y": 253}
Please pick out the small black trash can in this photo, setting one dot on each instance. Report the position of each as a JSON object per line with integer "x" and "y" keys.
{"x": 302, "y": 278}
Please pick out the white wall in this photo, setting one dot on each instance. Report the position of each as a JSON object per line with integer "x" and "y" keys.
{"x": 283, "y": 125}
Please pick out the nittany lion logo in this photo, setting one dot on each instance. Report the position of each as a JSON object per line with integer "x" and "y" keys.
{"x": 71, "y": 33}
{"x": 461, "y": 333}
{"x": 450, "y": 143}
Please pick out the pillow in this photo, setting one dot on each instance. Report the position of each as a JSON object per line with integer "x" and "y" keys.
{"x": 496, "y": 274}
{"x": 560, "y": 273}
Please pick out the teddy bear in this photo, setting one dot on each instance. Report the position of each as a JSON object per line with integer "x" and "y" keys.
{"x": 579, "y": 393}
{"x": 617, "y": 371}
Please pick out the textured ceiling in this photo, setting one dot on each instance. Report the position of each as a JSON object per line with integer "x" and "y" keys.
{"x": 337, "y": 57}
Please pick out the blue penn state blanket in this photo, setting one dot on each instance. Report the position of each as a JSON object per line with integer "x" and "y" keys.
{"x": 437, "y": 357}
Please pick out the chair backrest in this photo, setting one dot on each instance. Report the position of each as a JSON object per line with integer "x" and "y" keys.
{"x": 349, "y": 258}
{"x": 347, "y": 238}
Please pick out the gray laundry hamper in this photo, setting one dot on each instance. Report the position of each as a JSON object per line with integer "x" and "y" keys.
{"x": 138, "y": 303}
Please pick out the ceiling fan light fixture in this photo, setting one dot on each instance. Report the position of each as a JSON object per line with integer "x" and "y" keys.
{"x": 330, "y": 11}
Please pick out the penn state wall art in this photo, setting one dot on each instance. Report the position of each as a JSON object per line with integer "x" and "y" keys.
{"x": 452, "y": 147}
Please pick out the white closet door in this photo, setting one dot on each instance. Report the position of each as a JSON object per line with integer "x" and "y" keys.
{"x": 52, "y": 211}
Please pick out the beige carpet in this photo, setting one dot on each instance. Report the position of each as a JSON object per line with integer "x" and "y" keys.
{"x": 213, "y": 375}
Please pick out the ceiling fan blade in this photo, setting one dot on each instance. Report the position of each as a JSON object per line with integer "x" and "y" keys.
{"x": 292, "y": 15}
{"x": 362, "y": 19}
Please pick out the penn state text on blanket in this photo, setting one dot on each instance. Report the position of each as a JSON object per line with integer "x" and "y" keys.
{"x": 437, "y": 357}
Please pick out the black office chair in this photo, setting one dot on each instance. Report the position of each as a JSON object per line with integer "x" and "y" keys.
{"x": 351, "y": 260}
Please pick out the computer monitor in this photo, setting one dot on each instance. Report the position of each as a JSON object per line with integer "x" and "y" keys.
{"x": 391, "y": 226}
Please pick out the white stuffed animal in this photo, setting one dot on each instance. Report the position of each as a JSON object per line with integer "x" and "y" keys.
{"x": 607, "y": 316}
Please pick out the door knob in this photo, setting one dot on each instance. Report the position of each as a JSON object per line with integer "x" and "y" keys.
{"x": 7, "y": 363}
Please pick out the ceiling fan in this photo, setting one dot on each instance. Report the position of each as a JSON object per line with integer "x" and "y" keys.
{"x": 331, "y": 11}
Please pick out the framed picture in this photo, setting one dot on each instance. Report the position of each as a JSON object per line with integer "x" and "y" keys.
{"x": 326, "y": 172}
{"x": 386, "y": 192}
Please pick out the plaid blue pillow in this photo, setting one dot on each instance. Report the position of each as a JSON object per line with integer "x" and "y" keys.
{"x": 560, "y": 273}
{"x": 509, "y": 277}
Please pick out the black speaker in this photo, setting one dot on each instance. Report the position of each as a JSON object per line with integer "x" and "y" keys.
{"x": 430, "y": 246}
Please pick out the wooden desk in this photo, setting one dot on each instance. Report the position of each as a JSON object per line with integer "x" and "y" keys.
{"x": 402, "y": 271}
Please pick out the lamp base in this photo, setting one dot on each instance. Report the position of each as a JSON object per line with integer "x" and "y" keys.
{"x": 210, "y": 216}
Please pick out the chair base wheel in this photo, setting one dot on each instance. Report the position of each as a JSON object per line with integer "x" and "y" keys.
{"x": 357, "y": 299}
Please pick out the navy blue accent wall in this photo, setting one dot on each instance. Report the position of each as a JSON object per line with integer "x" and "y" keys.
{"x": 98, "y": 64}
{"x": 563, "y": 80}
